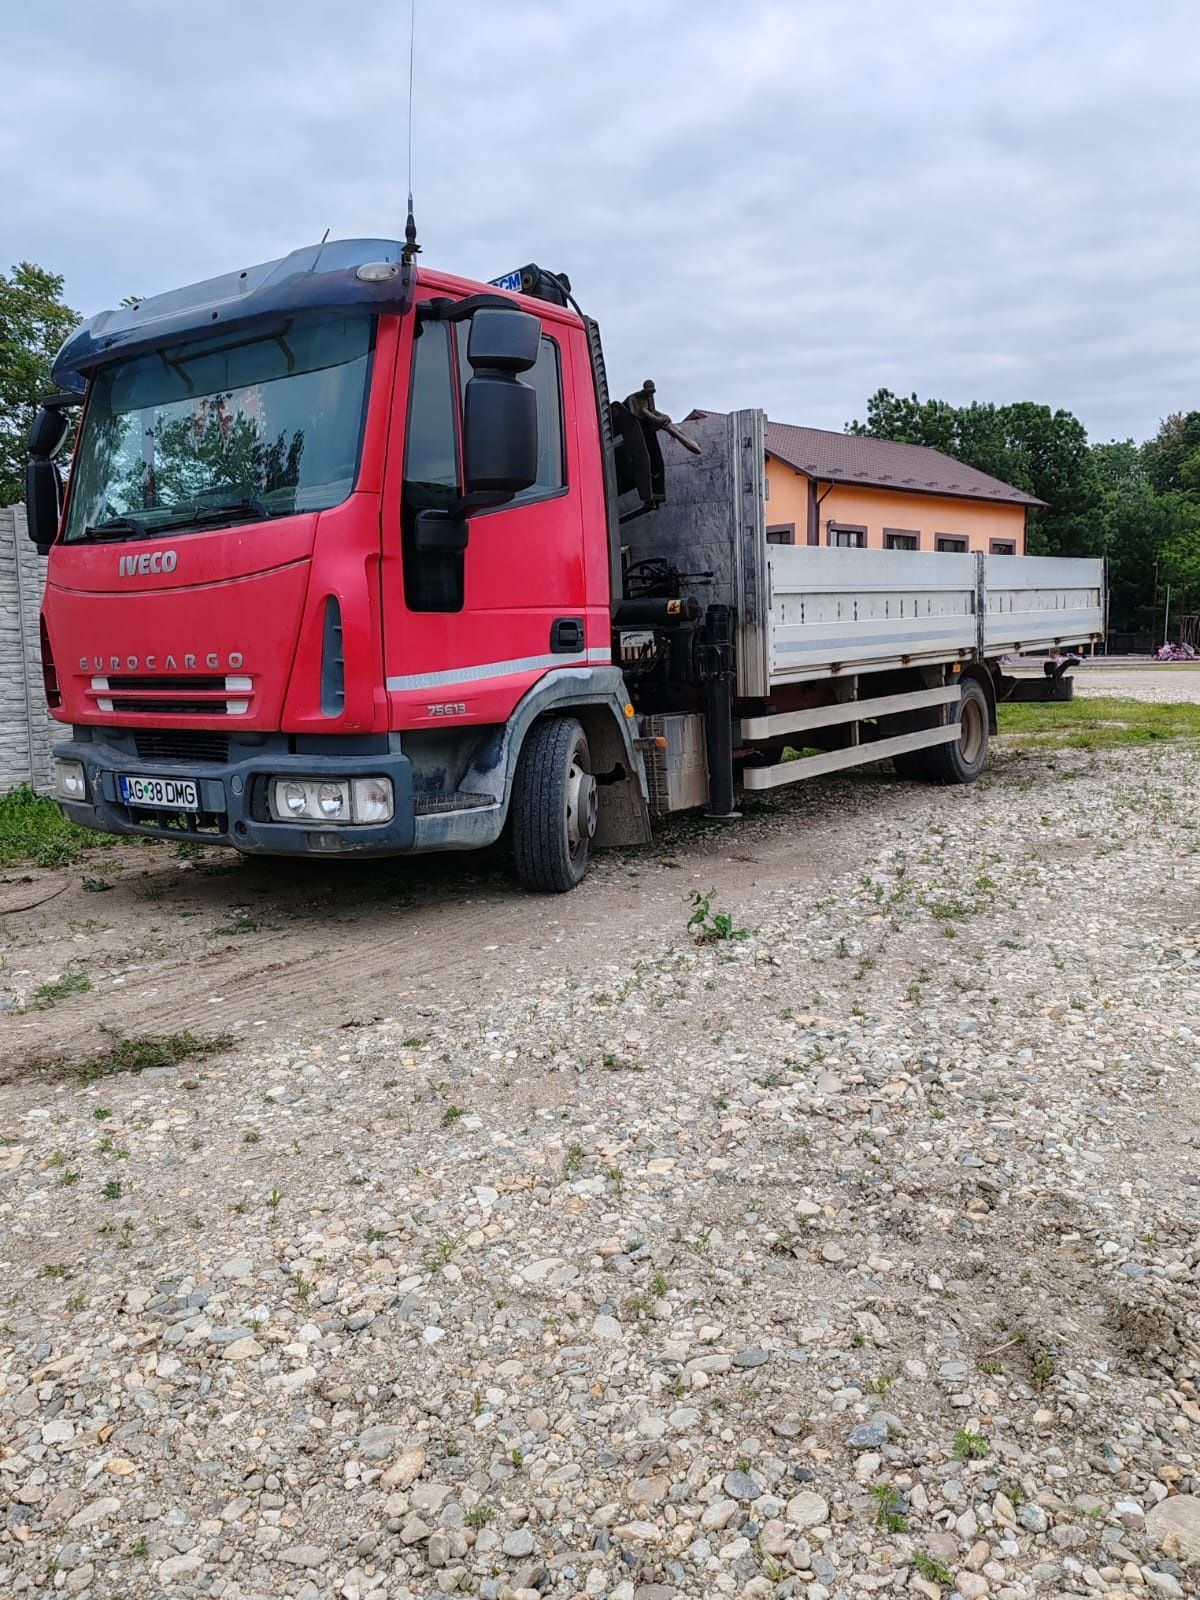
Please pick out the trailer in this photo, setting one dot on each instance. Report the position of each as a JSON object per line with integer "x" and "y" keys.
{"x": 360, "y": 559}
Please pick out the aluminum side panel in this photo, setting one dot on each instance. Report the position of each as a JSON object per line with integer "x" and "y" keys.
{"x": 1038, "y": 602}
{"x": 864, "y": 610}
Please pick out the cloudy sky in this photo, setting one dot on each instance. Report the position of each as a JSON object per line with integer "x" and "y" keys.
{"x": 763, "y": 203}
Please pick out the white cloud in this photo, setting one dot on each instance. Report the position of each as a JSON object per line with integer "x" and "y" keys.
{"x": 766, "y": 203}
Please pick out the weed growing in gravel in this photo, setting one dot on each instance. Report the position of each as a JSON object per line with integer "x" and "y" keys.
{"x": 617, "y": 1178}
{"x": 441, "y": 1254}
{"x": 573, "y": 1162}
{"x": 1042, "y": 1371}
{"x": 887, "y": 1508}
{"x": 451, "y": 1115}
{"x": 707, "y": 926}
{"x": 969, "y": 1446}
{"x": 479, "y": 1516}
{"x": 930, "y": 1568}
{"x": 138, "y": 1052}
{"x": 113, "y": 1189}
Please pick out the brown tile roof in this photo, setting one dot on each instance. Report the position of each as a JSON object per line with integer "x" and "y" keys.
{"x": 884, "y": 464}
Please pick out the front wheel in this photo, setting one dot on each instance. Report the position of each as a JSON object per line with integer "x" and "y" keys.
{"x": 554, "y": 806}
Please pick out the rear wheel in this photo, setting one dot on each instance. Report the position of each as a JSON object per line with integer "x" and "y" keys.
{"x": 554, "y": 807}
{"x": 960, "y": 760}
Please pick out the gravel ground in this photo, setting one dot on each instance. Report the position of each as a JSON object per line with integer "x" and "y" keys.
{"x": 1172, "y": 685}
{"x": 855, "y": 1253}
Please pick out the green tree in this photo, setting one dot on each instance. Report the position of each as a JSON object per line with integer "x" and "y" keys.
{"x": 33, "y": 324}
{"x": 1172, "y": 457}
{"x": 1042, "y": 451}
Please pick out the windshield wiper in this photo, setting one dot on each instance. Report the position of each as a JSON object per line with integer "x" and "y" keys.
{"x": 218, "y": 511}
{"x": 115, "y": 527}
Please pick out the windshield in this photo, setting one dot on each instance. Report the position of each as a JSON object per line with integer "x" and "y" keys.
{"x": 227, "y": 429}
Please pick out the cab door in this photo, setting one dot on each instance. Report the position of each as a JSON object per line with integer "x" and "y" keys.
{"x": 468, "y": 631}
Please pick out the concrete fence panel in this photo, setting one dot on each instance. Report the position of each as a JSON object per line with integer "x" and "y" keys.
{"x": 26, "y": 728}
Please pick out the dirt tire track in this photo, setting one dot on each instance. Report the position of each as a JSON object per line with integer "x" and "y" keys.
{"x": 343, "y": 943}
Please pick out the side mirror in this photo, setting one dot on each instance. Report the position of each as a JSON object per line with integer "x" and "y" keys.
{"x": 48, "y": 431}
{"x": 500, "y": 442}
{"x": 43, "y": 502}
{"x": 43, "y": 485}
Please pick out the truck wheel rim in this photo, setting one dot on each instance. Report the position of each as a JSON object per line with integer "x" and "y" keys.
{"x": 970, "y": 731}
{"x": 582, "y": 805}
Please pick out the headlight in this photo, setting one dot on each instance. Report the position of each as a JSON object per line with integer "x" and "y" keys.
{"x": 361, "y": 800}
{"x": 371, "y": 799}
{"x": 69, "y": 781}
{"x": 331, "y": 800}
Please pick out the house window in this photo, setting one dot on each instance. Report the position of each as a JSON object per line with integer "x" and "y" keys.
{"x": 1002, "y": 547}
{"x": 901, "y": 539}
{"x": 950, "y": 543}
{"x": 782, "y": 533}
{"x": 848, "y": 535}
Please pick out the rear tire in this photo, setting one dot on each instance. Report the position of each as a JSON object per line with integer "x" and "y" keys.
{"x": 960, "y": 760}
{"x": 554, "y": 807}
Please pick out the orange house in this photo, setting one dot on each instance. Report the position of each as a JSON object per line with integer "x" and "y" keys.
{"x": 825, "y": 488}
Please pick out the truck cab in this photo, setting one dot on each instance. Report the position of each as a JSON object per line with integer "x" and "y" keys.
{"x": 334, "y": 541}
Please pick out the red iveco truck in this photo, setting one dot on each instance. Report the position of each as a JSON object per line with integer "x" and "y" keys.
{"x": 360, "y": 558}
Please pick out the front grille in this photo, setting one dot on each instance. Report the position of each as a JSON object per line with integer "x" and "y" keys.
{"x": 204, "y": 695}
{"x": 163, "y": 744}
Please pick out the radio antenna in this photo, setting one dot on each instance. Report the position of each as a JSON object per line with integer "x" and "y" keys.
{"x": 411, "y": 247}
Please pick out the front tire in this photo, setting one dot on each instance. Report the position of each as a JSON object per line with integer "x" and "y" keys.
{"x": 554, "y": 807}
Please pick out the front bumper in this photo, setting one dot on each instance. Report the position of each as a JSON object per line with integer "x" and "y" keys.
{"x": 233, "y": 793}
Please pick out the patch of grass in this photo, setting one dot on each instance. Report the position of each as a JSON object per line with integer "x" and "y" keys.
{"x": 49, "y": 994}
{"x": 1096, "y": 724}
{"x": 112, "y": 1190}
{"x": 479, "y": 1516}
{"x": 451, "y": 1115}
{"x": 139, "y": 1051}
{"x": 34, "y": 832}
{"x": 969, "y": 1446}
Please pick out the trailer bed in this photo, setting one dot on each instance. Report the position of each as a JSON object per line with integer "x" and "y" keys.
{"x": 809, "y": 612}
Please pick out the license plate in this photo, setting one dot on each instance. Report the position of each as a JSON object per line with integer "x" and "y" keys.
{"x": 162, "y": 794}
